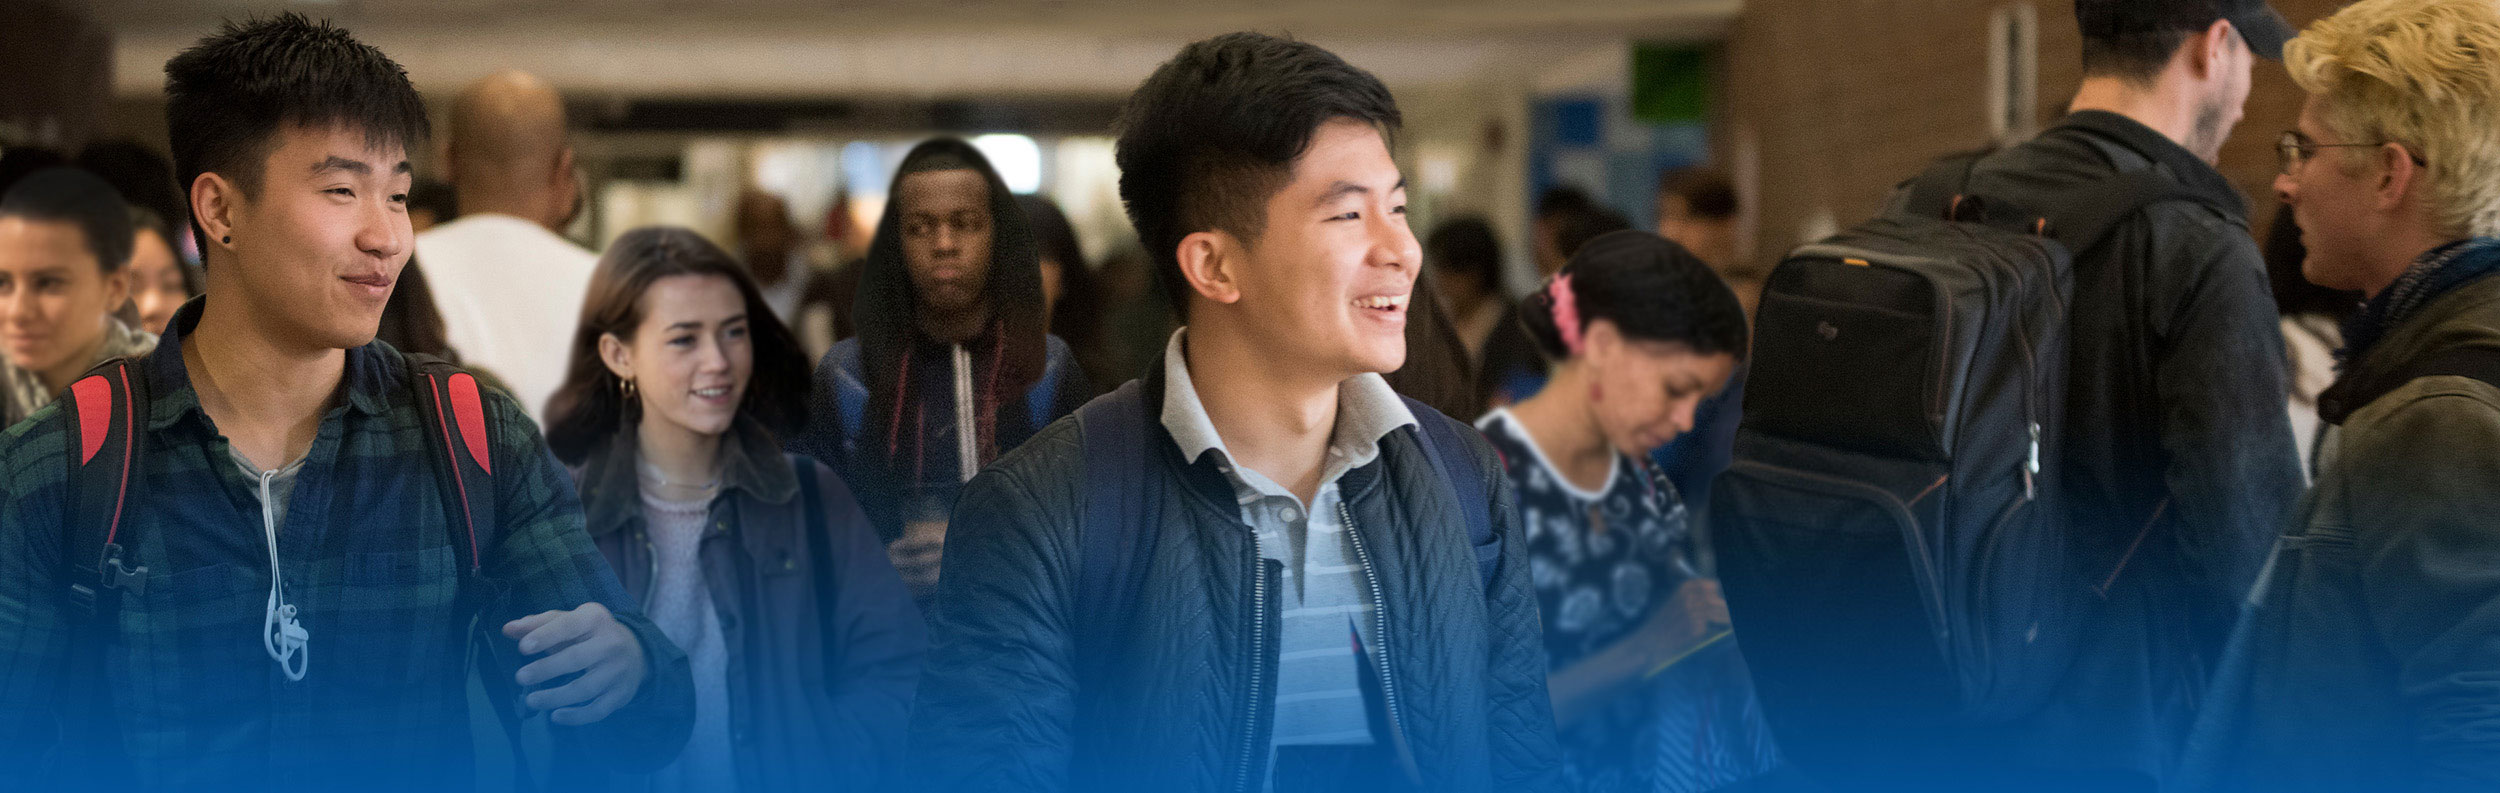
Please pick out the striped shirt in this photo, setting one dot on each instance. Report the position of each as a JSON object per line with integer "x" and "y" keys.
{"x": 1322, "y": 593}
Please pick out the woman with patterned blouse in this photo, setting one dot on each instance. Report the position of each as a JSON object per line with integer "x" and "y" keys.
{"x": 1647, "y": 694}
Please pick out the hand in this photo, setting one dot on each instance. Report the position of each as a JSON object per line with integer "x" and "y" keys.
{"x": 587, "y": 640}
{"x": 918, "y": 554}
{"x": 1697, "y": 610}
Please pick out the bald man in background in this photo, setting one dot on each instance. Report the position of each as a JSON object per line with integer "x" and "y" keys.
{"x": 508, "y": 284}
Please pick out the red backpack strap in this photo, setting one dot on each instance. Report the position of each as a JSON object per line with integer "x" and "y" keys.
{"x": 455, "y": 433}
{"x": 107, "y": 406}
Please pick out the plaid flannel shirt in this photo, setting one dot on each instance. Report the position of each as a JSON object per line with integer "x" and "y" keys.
{"x": 181, "y": 695}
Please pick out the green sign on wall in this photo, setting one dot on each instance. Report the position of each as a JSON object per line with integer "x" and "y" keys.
{"x": 1670, "y": 83}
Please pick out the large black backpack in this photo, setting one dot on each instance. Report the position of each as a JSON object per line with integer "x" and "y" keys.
{"x": 1888, "y": 534}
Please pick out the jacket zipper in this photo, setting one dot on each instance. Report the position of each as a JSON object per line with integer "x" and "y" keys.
{"x": 1380, "y": 637}
{"x": 1258, "y": 664}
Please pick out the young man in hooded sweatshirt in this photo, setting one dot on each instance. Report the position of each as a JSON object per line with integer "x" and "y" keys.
{"x": 953, "y": 365}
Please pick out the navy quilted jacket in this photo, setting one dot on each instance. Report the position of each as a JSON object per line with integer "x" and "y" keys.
{"x": 1006, "y": 702}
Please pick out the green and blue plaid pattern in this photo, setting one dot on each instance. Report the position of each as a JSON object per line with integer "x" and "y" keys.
{"x": 180, "y": 694}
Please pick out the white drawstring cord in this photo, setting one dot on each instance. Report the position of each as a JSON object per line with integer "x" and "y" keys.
{"x": 281, "y": 636}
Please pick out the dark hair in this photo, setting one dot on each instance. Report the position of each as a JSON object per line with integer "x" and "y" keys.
{"x": 1558, "y": 200}
{"x": 1010, "y": 355}
{"x": 411, "y": 320}
{"x": 1466, "y": 248}
{"x": 19, "y": 162}
{"x": 78, "y": 198}
{"x": 1078, "y": 316}
{"x": 2133, "y": 40}
{"x": 143, "y": 177}
{"x": 589, "y": 407}
{"x": 1214, "y": 133}
{"x": 227, "y": 97}
{"x": 1650, "y": 288}
{"x": 1707, "y": 193}
{"x": 2293, "y": 293}
{"x": 1437, "y": 372}
{"x": 1575, "y": 228}
{"x": 435, "y": 195}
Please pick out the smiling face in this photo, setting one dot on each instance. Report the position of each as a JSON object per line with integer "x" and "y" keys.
{"x": 1644, "y": 393}
{"x": 690, "y": 358}
{"x": 1328, "y": 278}
{"x": 54, "y": 297}
{"x": 318, "y": 245}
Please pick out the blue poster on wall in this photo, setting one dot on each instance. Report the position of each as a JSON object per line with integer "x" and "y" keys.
{"x": 1614, "y": 146}
{"x": 1590, "y": 142}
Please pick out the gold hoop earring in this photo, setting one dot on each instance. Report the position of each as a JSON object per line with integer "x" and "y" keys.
{"x": 627, "y": 388}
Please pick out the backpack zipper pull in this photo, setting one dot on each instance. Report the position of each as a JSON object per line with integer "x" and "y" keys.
{"x": 2031, "y": 467}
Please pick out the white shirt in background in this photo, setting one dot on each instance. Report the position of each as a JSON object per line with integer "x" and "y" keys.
{"x": 511, "y": 293}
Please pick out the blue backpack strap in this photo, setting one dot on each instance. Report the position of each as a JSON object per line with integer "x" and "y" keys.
{"x": 1448, "y": 452}
{"x": 1115, "y": 539}
{"x": 850, "y": 396}
{"x": 1045, "y": 394}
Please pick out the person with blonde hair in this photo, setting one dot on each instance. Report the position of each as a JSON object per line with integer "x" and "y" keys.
{"x": 2371, "y": 660}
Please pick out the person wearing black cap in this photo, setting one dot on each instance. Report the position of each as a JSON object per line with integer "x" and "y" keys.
{"x": 2179, "y": 466}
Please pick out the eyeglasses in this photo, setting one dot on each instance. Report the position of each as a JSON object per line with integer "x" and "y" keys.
{"x": 2295, "y": 148}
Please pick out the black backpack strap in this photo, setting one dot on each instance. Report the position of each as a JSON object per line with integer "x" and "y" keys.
{"x": 1448, "y": 452}
{"x": 460, "y": 451}
{"x": 108, "y": 407}
{"x": 2349, "y": 395}
{"x": 456, "y": 436}
{"x": 1941, "y": 190}
{"x": 819, "y": 539}
{"x": 1116, "y": 541}
{"x": 2080, "y": 218}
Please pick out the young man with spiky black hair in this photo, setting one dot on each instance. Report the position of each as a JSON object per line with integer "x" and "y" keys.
{"x": 1257, "y": 568}
{"x": 287, "y": 587}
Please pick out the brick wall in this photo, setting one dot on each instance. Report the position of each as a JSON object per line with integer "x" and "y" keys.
{"x": 1840, "y": 100}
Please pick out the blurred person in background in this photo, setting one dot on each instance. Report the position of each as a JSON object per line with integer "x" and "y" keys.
{"x": 18, "y": 162}
{"x": 1437, "y": 372}
{"x": 507, "y": 283}
{"x": 952, "y": 366}
{"x": 65, "y": 249}
{"x": 1465, "y": 258}
{"x": 145, "y": 178}
{"x": 159, "y": 280}
{"x": 2313, "y": 318}
{"x": 1139, "y": 318}
{"x": 770, "y": 244}
{"x": 1641, "y": 333}
{"x": 1697, "y": 209}
{"x": 803, "y": 644}
{"x": 413, "y": 321}
{"x": 1565, "y": 220}
{"x": 432, "y": 202}
{"x": 1070, "y": 296}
